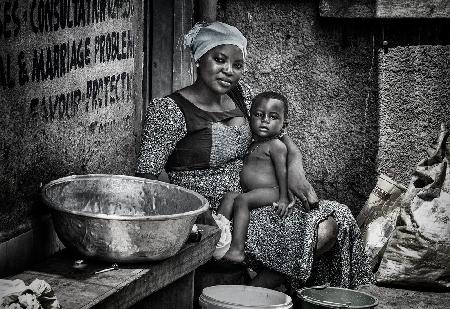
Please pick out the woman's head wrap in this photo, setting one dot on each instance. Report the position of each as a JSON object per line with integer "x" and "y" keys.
{"x": 203, "y": 37}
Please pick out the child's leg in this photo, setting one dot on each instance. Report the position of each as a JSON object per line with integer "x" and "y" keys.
{"x": 243, "y": 203}
{"x": 226, "y": 204}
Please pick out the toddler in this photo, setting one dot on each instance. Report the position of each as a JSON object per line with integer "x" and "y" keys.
{"x": 263, "y": 177}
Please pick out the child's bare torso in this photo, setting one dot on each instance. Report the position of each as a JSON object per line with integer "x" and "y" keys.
{"x": 258, "y": 170}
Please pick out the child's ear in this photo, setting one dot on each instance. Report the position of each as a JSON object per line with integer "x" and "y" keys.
{"x": 285, "y": 123}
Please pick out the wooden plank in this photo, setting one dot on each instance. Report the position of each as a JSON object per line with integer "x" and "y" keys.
{"x": 182, "y": 65}
{"x": 18, "y": 253}
{"x": 413, "y": 9}
{"x": 59, "y": 266}
{"x": 120, "y": 288}
{"x": 160, "y": 274}
{"x": 162, "y": 47}
{"x": 347, "y": 8}
{"x": 70, "y": 293}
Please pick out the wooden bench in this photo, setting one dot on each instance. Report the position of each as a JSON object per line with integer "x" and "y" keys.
{"x": 163, "y": 284}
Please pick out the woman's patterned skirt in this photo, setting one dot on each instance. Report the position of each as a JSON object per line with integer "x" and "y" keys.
{"x": 287, "y": 246}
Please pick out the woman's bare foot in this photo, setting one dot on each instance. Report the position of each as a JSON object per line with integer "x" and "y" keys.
{"x": 234, "y": 256}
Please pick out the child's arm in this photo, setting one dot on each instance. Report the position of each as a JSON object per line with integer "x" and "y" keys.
{"x": 278, "y": 154}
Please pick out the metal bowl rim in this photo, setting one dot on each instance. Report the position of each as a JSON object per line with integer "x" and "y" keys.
{"x": 338, "y": 305}
{"x": 119, "y": 217}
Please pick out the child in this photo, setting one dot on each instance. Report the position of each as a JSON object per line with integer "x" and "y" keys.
{"x": 263, "y": 177}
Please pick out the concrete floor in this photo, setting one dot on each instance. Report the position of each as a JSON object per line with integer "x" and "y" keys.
{"x": 392, "y": 298}
{"x": 408, "y": 299}
{"x": 388, "y": 297}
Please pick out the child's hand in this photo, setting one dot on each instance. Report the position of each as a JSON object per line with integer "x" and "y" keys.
{"x": 282, "y": 208}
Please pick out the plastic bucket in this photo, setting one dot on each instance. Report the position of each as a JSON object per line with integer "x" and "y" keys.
{"x": 330, "y": 297}
{"x": 243, "y": 296}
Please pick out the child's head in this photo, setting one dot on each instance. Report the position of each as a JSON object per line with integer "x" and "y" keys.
{"x": 269, "y": 112}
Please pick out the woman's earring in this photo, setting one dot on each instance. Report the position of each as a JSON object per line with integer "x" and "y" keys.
{"x": 197, "y": 64}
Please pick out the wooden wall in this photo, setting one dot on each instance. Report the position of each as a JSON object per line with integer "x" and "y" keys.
{"x": 75, "y": 81}
{"x": 70, "y": 103}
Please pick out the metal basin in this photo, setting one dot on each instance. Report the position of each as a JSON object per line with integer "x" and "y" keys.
{"x": 122, "y": 218}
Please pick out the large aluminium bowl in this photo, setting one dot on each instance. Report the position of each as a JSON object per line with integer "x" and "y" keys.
{"x": 122, "y": 218}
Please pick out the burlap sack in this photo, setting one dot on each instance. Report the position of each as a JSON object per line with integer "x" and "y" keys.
{"x": 377, "y": 219}
{"x": 418, "y": 253}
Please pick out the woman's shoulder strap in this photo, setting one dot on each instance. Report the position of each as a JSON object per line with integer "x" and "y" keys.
{"x": 184, "y": 105}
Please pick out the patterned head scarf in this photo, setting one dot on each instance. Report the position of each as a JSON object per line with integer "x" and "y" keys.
{"x": 204, "y": 37}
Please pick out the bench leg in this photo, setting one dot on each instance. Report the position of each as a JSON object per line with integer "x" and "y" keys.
{"x": 177, "y": 295}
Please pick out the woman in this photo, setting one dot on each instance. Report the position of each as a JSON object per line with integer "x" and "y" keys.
{"x": 199, "y": 135}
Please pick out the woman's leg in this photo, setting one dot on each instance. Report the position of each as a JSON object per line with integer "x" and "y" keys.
{"x": 326, "y": 238}
{"x": 327, "y": 231}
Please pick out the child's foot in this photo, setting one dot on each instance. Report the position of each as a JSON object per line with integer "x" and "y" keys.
{"x": 234, "y": 256}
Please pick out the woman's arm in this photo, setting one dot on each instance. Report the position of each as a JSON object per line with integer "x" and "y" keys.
{"x": 297, "y": 182}
{"x": 164, "y": 126}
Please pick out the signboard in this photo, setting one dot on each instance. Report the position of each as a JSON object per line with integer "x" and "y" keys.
{"x": 68, "y": 89}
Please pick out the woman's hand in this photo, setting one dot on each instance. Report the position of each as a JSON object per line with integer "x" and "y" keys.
{"x": 297, "y": 183}
{"x": 301, "y": 188}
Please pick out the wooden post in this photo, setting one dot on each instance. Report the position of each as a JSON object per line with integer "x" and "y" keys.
{"x": 162, "y": 48}
{"x": 207, "y": 10}
{"x": 182, "y": 22}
